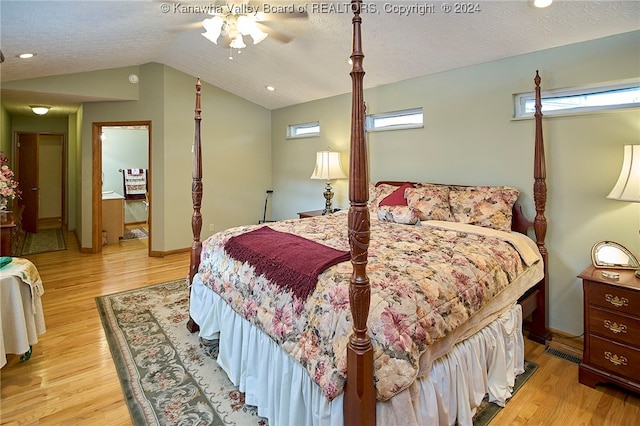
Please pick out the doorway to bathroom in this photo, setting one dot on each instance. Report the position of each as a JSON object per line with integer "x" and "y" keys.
{"x": 121, "y": 183}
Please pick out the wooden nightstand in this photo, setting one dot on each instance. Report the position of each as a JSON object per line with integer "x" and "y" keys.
{"x": 611, "y": 329}
{"x": 12, "y": 234}
{"x": 311, "y": 213}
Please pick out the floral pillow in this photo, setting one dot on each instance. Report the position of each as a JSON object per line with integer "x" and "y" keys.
{"x": 488, "y": 206}
{"x": 377, "y": 194}
{"x": 431, "y": 202}
{"x": 398, "y": 214}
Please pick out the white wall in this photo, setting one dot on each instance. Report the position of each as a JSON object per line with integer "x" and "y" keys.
{"x": 470, "y": 137}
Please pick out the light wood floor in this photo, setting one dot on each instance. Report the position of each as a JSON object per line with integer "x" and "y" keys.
{"x": 71, "y": 378}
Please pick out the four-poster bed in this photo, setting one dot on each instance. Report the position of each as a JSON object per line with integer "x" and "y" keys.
{"x": 353, "y": 378}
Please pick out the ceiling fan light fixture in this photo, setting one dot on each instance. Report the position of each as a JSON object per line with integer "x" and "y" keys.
{"x": 238, "y": 43}
{"x": 213, "y": 28}
{"x": 247, "y": 25}
{"x": 39, "y": 109}
{"x": 258, "y": 35}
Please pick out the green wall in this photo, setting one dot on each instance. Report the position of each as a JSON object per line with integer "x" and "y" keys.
{"x": 469, "y": 137}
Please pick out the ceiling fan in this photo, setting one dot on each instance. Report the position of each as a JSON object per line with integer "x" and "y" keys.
{"x": 233, "y": 21}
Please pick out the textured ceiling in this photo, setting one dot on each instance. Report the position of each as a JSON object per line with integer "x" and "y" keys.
{"x": 77, "y": 36}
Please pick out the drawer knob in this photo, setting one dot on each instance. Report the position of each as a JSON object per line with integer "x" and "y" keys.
{"x": 615, "y": 327}
{"x": 615, "y": 359}
{"x": 617, "y": 301}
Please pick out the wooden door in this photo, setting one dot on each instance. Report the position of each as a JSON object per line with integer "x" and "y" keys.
{"x": 27, "y": 176}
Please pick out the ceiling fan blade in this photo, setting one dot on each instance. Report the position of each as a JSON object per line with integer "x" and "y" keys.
{"x": 281, "y": 16}
{"x": 186, "y": 27}
{"x": 275, "y": 34}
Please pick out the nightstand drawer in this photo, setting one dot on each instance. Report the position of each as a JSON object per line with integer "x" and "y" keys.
{"x": 613, "y": 298}
{"x": 619, "y": 359}
{"x": 613, "y": 326}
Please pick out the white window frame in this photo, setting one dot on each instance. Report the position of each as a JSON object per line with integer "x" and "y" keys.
{"x": 374, "y": 122}
{"x": 303, "y": 130}
{"x": 524, "y": 102}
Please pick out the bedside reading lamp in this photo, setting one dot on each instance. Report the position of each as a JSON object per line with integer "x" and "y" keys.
{"x": 627, "y": 188}
{"x": 328, "y": 167}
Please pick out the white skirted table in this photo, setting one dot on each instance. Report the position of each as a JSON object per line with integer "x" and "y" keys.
{"x": 21, "y": 315}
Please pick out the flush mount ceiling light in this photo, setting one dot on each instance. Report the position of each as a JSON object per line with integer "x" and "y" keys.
{"x": 26, "y": 55}
{"x": 39, "y": 109}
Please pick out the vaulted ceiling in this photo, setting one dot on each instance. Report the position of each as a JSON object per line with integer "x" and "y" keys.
{"x": 401, "y": 39}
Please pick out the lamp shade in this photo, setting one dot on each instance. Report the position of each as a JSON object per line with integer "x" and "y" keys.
{"x": 213, "y": 28}
{"x": 328, "y": 166}
{"x": 627, "y": 188}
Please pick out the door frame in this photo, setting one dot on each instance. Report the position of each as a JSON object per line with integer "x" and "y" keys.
{"x": 63, "y": 168}
{"x": 96, "y": 180}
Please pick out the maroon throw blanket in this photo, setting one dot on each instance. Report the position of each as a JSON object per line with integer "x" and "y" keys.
{"x": 287, "y": 260}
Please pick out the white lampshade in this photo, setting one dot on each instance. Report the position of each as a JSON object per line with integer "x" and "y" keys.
{"x": 238, "y": 43}
{"x": 627, "y": 188}
{"x": 213, "y": 27}
{"x": 257, "y": 35}
{"x": 328, "y": 166}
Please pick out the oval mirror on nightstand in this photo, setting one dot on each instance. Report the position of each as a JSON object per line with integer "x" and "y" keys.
{"x": 611, "y": 255}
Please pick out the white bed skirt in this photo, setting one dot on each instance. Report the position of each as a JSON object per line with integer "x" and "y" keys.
{"x": 485, "y": 363}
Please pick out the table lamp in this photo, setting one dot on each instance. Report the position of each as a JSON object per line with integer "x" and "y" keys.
{"x": 627, "y": 188}
{"x": 328, "y": 167}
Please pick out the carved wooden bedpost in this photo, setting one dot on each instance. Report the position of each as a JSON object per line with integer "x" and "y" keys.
{"x": 360, "y": 396}
{"x": 539, "y": 331}
{"x": 196, "y": 196}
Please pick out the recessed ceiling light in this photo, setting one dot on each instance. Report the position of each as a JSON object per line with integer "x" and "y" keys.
{"x": 26, "y": 55}
{"x": 542, "y": 3}
{"x": 270, "y": 88}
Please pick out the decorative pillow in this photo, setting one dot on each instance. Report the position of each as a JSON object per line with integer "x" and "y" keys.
{"x": 396, "y": 198}
{"x": 488, "y": 206}
{"x": 377, "y": 194}
{"x": 398, "y": 214}
{"x": 431, "y": 201}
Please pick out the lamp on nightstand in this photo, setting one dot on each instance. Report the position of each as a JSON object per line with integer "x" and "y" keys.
{"x": 627, "y": 188}
{"x": 328, "y": 167}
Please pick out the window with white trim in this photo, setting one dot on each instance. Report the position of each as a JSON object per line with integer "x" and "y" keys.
{"x": 395, "y": 120}
{"x": 303, "y": 130}
{"x": 580, "y": 100}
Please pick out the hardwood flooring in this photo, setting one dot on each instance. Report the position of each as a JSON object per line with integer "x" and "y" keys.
{"x": 71, "y": 379}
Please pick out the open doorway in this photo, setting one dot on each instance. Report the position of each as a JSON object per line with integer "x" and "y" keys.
{"x": 121, "y": 181}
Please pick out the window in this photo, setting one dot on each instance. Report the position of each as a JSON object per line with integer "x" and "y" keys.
{"x": 303, "y": 130}
{"x": 405, "y": 119}
{"x": 571, "y": 101}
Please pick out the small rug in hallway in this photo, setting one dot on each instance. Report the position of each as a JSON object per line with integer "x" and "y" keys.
{"x": 135, "y": 234}
{"x": 46, "y": 240}
{"x": 488, "y": 410}
{"x": 165, "y": 374}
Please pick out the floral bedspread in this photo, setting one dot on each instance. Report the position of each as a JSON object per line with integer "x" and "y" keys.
{"x": 425, "y": 281}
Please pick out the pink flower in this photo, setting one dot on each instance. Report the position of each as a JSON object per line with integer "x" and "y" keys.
{"x": 8, "y": 186}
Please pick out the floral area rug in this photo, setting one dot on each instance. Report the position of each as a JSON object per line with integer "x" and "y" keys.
{"x": 46, "y": 240}
{"x": 168, "y": 376}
